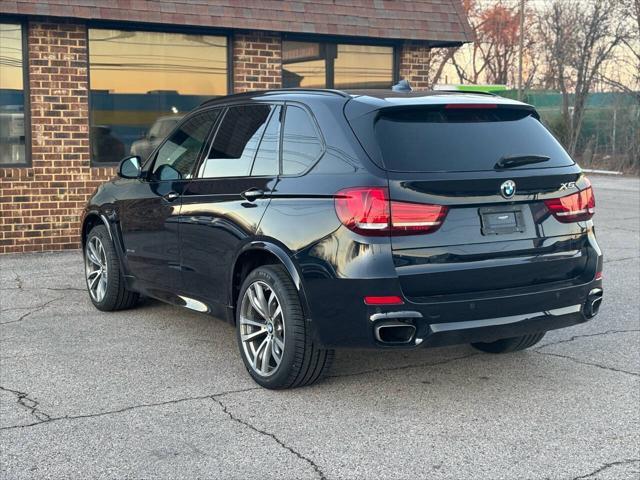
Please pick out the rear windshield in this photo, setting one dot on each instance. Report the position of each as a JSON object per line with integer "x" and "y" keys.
{"x": 461, "y": 139}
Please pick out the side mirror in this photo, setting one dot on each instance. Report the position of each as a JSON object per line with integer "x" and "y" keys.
{"x": 129, "y": 167}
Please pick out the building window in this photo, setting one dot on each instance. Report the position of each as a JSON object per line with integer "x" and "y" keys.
{"x": 329, "y": 65}
{"x": 142, "y": 84}
{"x": 13, "y": 150}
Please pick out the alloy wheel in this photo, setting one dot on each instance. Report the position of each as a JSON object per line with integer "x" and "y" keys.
{"x": 96, "y": 270}
{"x": 262, "y": 330}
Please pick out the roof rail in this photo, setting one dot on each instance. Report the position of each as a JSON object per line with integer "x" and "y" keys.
{"x": 276, "y": 92}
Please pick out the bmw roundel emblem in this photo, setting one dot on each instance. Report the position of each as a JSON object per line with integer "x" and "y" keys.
{"x": 508, "y": 189}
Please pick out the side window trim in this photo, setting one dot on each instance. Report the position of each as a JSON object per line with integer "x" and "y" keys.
{"x": 206, "y": 148}
{"x": 147, "y": 168}
{"x": 214, "y": 131}
{"x": 316, "y": 126}
{"x": 255, "y": 155}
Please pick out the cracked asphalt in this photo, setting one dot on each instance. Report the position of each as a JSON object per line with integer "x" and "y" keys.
{"x": 161, "y": 392}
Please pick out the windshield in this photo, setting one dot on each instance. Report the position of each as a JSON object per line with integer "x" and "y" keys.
{"x": 462, "y": 139}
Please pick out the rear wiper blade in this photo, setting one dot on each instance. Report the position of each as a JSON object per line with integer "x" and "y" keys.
{"x": 518, "y": 160}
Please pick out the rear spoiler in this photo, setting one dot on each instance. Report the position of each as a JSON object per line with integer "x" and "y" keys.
{"x": 354, "y": 109}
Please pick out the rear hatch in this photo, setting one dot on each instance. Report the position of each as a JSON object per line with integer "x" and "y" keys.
{"x": 491, "y": 166}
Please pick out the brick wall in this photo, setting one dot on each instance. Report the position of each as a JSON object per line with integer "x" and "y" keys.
{"x": 41, "y": 205}
{"x": 257, "y": 58}
{"x": 415, "y": 65}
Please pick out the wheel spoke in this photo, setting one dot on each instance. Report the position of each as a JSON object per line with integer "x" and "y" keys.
{"x": 278, "y": 342}
{"x": 277, "y": 355}
{"x": 255, "y": 303}
{"x": 92, "y": 254}
{"x": 272, "y": 297}
{"x": 102, "y": 287}
{"x": 266, "y": 357}
{"x": 254, "y": 323}
{"x": 277, "y": 312}
{"x": 245, "y": 337}
{"x": 264, "y": 309}
{"x": 257, "y": 354}
{"x": 95, "y": 280}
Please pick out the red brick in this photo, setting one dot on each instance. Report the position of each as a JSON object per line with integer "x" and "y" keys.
{"x": 44, "y": 202}
{"x": 249, "y": 50}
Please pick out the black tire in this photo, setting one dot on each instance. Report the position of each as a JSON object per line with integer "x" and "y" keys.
{"x": 506, "y": 345}
{"x": 116, "y": 296}
{"x": 302, "y": 362}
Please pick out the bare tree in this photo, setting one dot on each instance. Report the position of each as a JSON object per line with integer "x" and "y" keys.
{"x": 579, "y": 37}
{"x": 493, "y": 55}
{"x": 623, "y": 72}
{"x": 437, "y": 60}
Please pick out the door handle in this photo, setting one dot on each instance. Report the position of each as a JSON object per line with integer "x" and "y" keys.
{"x": 252, "y": 194}
{"x": 171, "y": 196}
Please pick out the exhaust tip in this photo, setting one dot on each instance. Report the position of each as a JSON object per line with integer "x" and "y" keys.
{"x": 396, "y": 333}
{"x": 594, "y": 300}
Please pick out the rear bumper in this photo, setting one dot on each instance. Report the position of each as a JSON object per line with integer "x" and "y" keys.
{"x": 341, "y": 319}
{"x": 490, "y": 329}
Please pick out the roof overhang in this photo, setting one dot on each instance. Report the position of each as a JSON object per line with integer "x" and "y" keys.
{"x": 436, "y": 22}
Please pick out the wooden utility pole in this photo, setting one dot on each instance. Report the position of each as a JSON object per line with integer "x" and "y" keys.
{"x": 521, "y": 48}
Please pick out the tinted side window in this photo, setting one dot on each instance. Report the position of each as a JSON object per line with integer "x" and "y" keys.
{"x": 236, "y": 142}
{"x": 268, "y": 157}
{"x": 177, "y": 156}
{"x": 301, "y": 146}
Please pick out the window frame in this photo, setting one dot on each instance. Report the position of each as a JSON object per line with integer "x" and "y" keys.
{"x": 145, "y": 27}
{"x": 282, "y": 107}
{"x": 326, "y": 45}
{"x": 314, "y": 123}
{"x": 24, "y": 26}
{"x": 214, "y": 132}
{"x": 147, "y": 167}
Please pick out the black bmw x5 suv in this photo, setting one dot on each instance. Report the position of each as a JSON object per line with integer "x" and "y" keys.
{"x": 318, "y": 219}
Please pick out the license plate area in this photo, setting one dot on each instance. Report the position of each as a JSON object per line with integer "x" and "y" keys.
{"x": 501, "y": 220}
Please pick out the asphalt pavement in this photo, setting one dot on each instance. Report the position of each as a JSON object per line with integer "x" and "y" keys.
{"x": 161, "y": 392}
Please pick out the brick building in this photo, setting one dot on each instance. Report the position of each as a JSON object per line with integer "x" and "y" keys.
{"x": 85, "y": 82}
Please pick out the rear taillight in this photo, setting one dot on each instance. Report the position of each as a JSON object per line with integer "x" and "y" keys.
{"x": 368, "y": 211}
{"x": 411, "y": 218}
{"x": 364, "y": 209}
{"x": 576, "y": 207}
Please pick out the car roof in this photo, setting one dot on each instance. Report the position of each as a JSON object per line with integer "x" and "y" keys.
{"x": 291, "y": 93}
{"x": 375, "y": 98}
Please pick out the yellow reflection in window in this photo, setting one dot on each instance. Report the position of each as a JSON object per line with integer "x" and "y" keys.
{"x": 11, "y": 56}
{"x": 12, "y": 127}
{"x": 140, "y": 62}
{"x": 309, "y": 74}
{"x": 143, "y": 83}
{"x": 363, "y": 66}
{"x": 305, "y": 64}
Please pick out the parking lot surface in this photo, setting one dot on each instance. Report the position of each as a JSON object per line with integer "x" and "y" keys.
{"x": 161, "y": 392}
